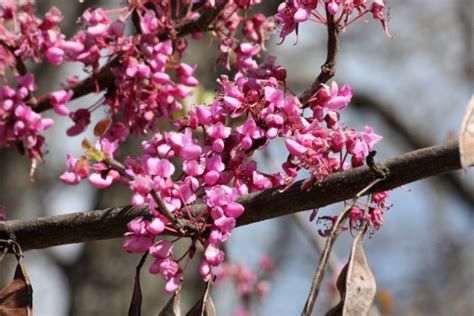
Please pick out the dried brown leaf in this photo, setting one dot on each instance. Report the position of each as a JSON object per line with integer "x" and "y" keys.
{"x": 205, "y": 306}
{"x": 17, "y": 298}
{"x": 101, "y": 127}
{"x": 173, "y": 307}
{"x": 356, "y": 284}
{"x": 136, "y": 303}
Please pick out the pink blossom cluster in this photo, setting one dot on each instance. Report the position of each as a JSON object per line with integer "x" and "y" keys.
{"x": 293, "y": 12}
{"x": 255, "y": 30}
{"x": 374, "y": 214}
{"x": 249, "y": 282}
{"x": 20, "y": 126}
{"x": 30, "y": 37}
{"x": 216, "y": 160}
{"x": 207, "y": 157}
{"x": 140, "y": 240}
{"x": 370, "y": 212}
{"x": 142, "y": 91}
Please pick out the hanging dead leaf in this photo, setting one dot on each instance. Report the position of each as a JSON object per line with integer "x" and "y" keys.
{"x": 466, "y": 136}
{"x": 101, "y": 127}
{"x": 17, "y": 298}
{"x": 173, "y": 307}
{"x": 356, "y": 284}
{"x": 136, "y": 303}
{"x": 205, "y": 306}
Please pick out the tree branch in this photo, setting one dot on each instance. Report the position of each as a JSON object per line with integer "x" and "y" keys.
{"x": 328, "y": 69}
{"x": 109, "y": 223}
{"x": 104, "y": 77}
{"x": 414, "y": 140}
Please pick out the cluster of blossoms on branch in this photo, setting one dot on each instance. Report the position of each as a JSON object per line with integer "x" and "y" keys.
{"x": 249, "y": 283}
{"x": 207, "y": 158}
{"x": 293, "y": 12}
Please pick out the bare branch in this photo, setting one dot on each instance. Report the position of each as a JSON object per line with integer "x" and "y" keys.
{"x": 328, "y": 69}
{"x": 109, "y": 223}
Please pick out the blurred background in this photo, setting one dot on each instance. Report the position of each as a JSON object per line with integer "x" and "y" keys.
{"x": 412, "y": 88}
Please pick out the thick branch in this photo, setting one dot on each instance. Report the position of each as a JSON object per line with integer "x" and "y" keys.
{"x": 104, "y": 77}
{"x": 111, "y": 223}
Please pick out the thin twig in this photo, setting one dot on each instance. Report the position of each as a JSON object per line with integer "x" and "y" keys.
{"x": 318, "y": 276}
{"x": 19, "y": 64}
{"x": 315, "y": 241}
{"x": 328, "y": 69}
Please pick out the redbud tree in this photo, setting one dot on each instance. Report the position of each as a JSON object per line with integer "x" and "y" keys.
{"x": 198, "y": 178}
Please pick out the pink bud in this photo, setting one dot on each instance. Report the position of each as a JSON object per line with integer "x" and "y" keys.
{"x": 294, "y": 148}
{"x": 203, "y": 114}
{"x": 137, "y": 244}
{"x": 172, "y": 284}
{"x": 55, "y": 55}
{"x": 234, "y": 210}
{"x": 211, "y": 177}
{"x": 156, "y": 226}
{"x": 301, "y": 15}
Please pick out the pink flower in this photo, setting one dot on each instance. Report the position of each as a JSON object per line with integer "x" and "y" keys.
{"x": 203, "y": 114}
{"x": 205, "y": 269}
{"x": 332, "y": 97}
{"x": 157, "y": 225}
{"x": 162, "y": 249}
{"x": 369, "y": 137}
{"x": 59, "y": 100}
{"x": 137, "y": 244}
{"x": 333, "y": 6}
{"x": 380, "y": 197}
{"x": 76, "y": 170}
{"x": 82, "y": 119}
{"x": 245, "y": 53}
{"x": 172, "y": 284}
{"x": 294, "y": 147}
{"x": 234, "y": 209}
{"x": 166, "y": 267}
{"x": 101, "y": 181}
{"x": 249, "y": 131}
{"x": 137, "y": 226}
{"x": 55, "y": 55}
{"x": 185, "y": 74}
{"x": 213, "y": 255}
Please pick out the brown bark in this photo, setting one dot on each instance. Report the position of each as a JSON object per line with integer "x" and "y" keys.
{"x": 109, "y": 223}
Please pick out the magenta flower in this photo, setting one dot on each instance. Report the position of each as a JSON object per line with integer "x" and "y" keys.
{"x": 82, "y": 119}
{"x": 213, "y": 255}
{"x": 55, "y": 55}
{"x": 162, "y": 249}
{"x": 137, "y": 244}
{"x": 77, "y": 170}
{"x": 59, "y": 99}
{"x": 294, "y": 147}
{"x": 172, "y": 284}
